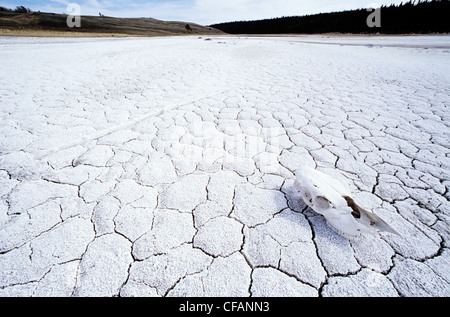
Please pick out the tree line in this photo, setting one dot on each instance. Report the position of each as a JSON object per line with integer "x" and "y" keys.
{"x": 18, "y": 9}
{"x": 414, "y": 16}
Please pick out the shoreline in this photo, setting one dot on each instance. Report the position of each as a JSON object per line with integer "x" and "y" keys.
{"x": 74, "y": 34}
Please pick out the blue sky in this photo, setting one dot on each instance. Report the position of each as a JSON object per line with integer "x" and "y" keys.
{"x": 199, "y": 11}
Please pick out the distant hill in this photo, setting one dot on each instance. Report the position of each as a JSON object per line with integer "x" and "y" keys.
{"x": 23, "y": 22}
{"x": 415, "y": 16}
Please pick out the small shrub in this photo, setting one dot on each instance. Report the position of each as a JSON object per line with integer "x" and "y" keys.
{"x": 22, "y": 9}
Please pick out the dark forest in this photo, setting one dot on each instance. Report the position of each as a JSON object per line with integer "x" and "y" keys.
{"x": 415, "y": 16}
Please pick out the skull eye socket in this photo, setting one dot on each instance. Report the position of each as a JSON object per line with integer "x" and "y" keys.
{"x": 322, "y": 202}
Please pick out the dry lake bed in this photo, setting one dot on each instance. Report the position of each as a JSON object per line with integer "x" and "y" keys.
{"x": 165, "y": 166}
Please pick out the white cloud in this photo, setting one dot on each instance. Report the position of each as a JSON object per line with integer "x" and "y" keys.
{"x": 205, "y": 11}
{"x": 215, "y": 11}
{"x": 164, "y": 10}
{"x": 65, "y": 2}
{"x": 211, "y": 11}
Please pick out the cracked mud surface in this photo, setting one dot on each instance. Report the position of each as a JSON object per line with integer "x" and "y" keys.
{"x": 164, "y": 167}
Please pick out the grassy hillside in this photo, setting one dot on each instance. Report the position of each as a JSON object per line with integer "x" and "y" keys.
{"x": 35, "y": 23}
{"x": 415, "y": 16}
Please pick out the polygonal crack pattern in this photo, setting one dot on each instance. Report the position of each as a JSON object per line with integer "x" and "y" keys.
{"x": 171, "y": 171}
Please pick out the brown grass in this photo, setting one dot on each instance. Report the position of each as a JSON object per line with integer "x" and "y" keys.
{"x": 52, "y": 25}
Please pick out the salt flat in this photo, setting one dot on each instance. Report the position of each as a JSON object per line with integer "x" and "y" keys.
{"x": 164, "y": 166}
